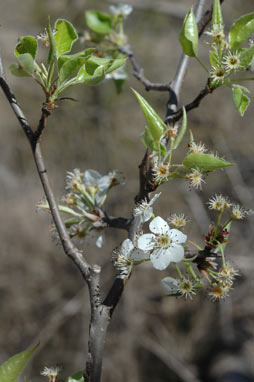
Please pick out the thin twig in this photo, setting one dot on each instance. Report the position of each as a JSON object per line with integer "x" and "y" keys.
{"x": 174, "y": 117}
{"x": 139, "y": 72}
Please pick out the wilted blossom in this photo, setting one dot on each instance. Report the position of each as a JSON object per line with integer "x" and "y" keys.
{"x": 165, "y": 243}
{"x": 125, "y": 258}
{"x": 121, "y": 10}
{"x": 144, "y": 209}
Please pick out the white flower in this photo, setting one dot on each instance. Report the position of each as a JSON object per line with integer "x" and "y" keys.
{"x": 125, "y": 258}
{"x": 121, "y": 10}
{"x": 144, "y": 210}
{"x": 165, "y": 243}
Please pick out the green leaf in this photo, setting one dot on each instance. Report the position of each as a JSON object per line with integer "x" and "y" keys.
{"x": 240, "y": 99}
{"x": 205, "y": 162}
{"x": 65, "y": 36}
{"x": 182, "y": 131}
{"x": 24, "y": 67}
{"x": 116, "y": 64}
{"x": 11, "y": 369}
{"x": 89, "y": 77}
{"x": 83, "y": 54}
{"x": 70, "y": 68}
{"x": 99, "y": 22}
{"x": 155, "y": 124}
{"x": 52, "y": 45}
{"x": 27, "y": 44}
{"x": 189, "y": 35}
{"x": 213, "y": 58}
{"x": 77, "y": 377}
{"x": 217, "y": 19}
{"x": 241, "y": 30}
{"x": 246, "y": 57}
{"x": 148, "y": 141}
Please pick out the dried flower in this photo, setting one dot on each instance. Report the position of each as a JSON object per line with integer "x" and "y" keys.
{"x": 195, "y": 178}
{"x": 125, "y": 257}
{"x": 161, "y": 172}
{"x": 178, "y": 221}
{"x": 238, "y": 212}
{"x": 218, "y": 203}
{"x": 217, "y": 74}
{"x": 232, "y": 61}
{"x": 51, "y": 372}
{"x": 197, "y": 147}
{"x": 186, "y": 288}
{"x": 219, "y": 291}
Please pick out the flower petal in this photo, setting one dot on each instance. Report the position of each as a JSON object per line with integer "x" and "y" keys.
{"x": 91, "y": 177}
{"x": 177, "y": 236}
{"x": 139, "y": 255}
{"x": 175, "y": 252}
{"x": 126, "y": 248}
{"x": 160, "y": 259}
{"x": 146, "y": 242}
{"x": 159, "y": 225}
{"x": 170, "y": 285}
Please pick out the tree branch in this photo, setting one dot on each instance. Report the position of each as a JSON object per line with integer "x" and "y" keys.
{"x": 139, "y": 72}
{"x": 174, "y": 117}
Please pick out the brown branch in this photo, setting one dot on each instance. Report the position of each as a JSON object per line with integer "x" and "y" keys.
{"x": 139, "y": 72}
{"x": 174, "y": 117}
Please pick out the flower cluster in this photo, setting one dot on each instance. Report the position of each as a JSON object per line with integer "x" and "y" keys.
{"x": 86, "y": 194}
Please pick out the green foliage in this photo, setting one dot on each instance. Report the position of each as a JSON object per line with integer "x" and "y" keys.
{"x": 205, "y": 162}
{"x": 26, "y": 44}
{"x": 99, "y": 22}
{"x": 217, "y": 19}
{"x": 65, "y": 36}
{"x": 77, "y": 377}
{"x": 182, "y": 131}
{"x": 241, "y": 30}
{"x": 189, "y": 35}
{"x": 154, "y": 123}
{"x": 25, "y": 66}
{"x": 240, "y": 99}
{"x": 11, "y": 369}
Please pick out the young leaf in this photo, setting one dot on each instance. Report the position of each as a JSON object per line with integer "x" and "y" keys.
{"x": 25, "y": 66}
{"x": 99, "y": 22}
{"x": 214, "y": 58}
{"x": 182, "y": 130}
{"x": 52, "y": 45}
{"x": 90, "y": 78}
{"x": 77, "y": 377}
{"x": 155, "y": 124}
{"x": 241, "y": 30}
{"x": 205, "y": 162}
{"x": 189, "y": 35}
{"x": 65, "y": 36}
{"x": 240, "y": 99}
{"x": 71, "y": 67}
{"x": 26, "y": 44}
{"x": 148, "y": 141}
{"x": 116, "y": 64}
{"x": 246, "y": 57}
{"x": 11, "y": 369}
{"x": 217, "y": 18}
{"x": 83, "y": 54}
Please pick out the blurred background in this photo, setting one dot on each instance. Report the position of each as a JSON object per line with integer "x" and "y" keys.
{"x": 43, "y": 297}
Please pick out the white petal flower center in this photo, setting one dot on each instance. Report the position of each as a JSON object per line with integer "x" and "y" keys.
{"x": 162, "y": 240}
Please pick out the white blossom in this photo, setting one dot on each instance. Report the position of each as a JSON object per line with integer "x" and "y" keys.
{"x": 165, "y": 243}
{"x": 144, "y": 209}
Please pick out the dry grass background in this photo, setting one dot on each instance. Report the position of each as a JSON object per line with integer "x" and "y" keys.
{"x": 42, "y": 294}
